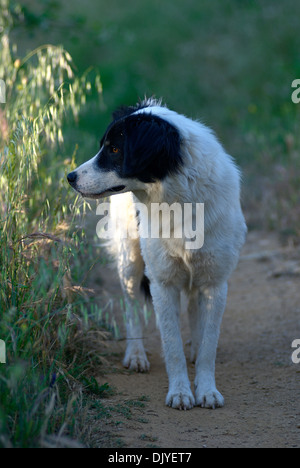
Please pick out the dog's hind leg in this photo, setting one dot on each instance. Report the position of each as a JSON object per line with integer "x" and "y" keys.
{"x": 131, "y": 272}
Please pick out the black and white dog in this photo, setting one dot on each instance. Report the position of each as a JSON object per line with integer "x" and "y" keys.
{"x": 150, "y": 154}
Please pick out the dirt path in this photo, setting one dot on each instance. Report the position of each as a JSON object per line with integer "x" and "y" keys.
{"x": 254, "y": 370}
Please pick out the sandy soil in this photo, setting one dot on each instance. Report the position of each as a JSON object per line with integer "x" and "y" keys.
{"x": 254, "y": 369}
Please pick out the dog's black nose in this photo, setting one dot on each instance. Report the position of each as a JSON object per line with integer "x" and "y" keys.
{"x": 72, "y": 177}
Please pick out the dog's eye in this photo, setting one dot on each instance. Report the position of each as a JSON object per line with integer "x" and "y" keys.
{"x": 115, "y": 150}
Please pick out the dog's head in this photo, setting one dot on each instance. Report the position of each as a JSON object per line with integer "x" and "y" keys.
{"x": 138, "y": 148}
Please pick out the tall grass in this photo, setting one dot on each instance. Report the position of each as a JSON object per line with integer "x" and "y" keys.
{"x": 45, "y": 329}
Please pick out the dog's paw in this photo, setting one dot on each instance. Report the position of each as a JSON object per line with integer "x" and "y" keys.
{"x": 182, "y": 399}
{"x": 136, "y": 360}
{"x": 209, "y": 398}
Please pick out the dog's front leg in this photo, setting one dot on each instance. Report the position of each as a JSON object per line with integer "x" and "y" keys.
{"x": 166, "y": 301}
{"x": 211, "y": 308}
{"x": 135, "y": 357}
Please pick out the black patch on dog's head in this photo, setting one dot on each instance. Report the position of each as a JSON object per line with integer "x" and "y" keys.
{"x": 151, "y": 149}
{"x": 148, "y": 147}
{"x": 111, "y": 156}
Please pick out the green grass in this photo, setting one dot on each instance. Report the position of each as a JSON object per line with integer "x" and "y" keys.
{"x": 228, "y": 63}
{"x": 52, "y": 340}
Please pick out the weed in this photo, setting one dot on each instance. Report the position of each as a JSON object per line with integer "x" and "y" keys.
{"x": 51, "y": 341}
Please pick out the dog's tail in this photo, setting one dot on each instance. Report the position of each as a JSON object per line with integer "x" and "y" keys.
{"x": 145, "y": 287}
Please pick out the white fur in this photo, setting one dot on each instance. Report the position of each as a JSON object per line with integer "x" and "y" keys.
{"x": 208, "y": 176}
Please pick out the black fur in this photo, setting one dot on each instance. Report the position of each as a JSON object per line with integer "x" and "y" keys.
{"x": 145, "y": 287}
{"x": 149, "y": 146}
{"x": 152, "y": 148}
{"x": 114, "y": 137}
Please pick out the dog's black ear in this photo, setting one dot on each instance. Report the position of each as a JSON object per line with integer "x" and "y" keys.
{"x": 152, "y": 148}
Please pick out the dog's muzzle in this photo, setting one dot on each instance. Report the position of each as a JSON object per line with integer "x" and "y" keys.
{"x": 72, "y": 178}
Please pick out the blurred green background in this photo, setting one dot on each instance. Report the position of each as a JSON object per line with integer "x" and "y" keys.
{"x": 229, "y": 63}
